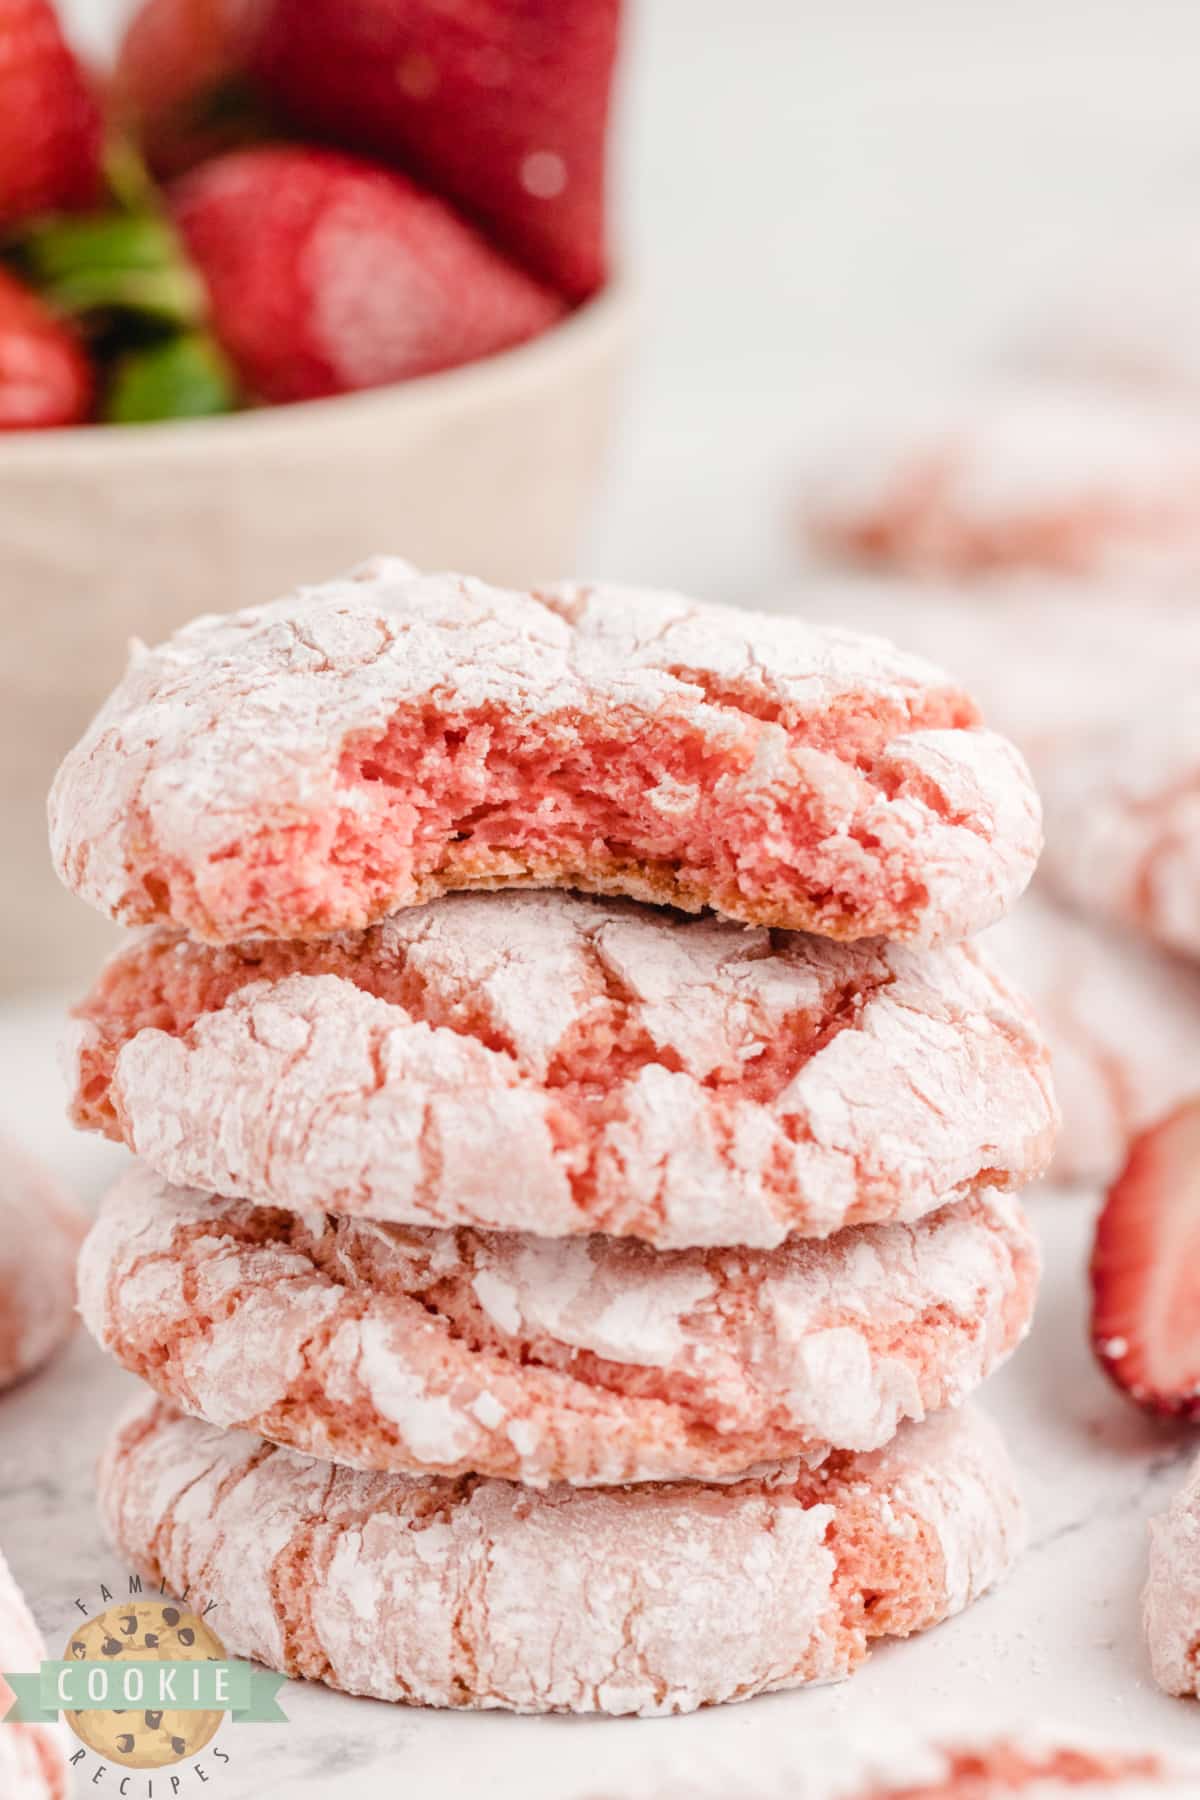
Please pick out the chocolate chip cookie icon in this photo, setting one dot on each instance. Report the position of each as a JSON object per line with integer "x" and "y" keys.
{"x": 148, "y": 1631}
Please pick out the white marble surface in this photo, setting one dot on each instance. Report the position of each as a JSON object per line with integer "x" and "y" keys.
{"x": 1061, "y": 1640}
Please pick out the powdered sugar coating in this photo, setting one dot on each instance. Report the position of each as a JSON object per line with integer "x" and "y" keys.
{"x": 1049, "y": 665}
{"x": 1171, "y": 1601}
{"x": 312, "y": 765}
{"x": 550, "y": 1063}
{"x": 1122, "y": 1021}
{"x": 33, "y": 1763}
{"x": 586, "y": 1360}
{"x": 1125, "y": 810}
{"x": 647, "y": 1600}
{"x": 1012, "y": 474}
{"x": 40, "y": 1234}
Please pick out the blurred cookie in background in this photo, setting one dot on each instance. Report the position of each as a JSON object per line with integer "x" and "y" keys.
{"x": 41, "y": 1237}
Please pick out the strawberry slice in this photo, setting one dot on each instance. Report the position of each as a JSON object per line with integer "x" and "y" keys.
{"x": 44, "y": 376}
{"x": 1145, "y": 1269}
{"x": 326, "y": 274}
{"x": 499, "y": 105}
{"x": 49, "y": 120}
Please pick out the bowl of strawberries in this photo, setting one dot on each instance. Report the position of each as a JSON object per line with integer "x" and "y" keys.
{"x": 291, "y": 281}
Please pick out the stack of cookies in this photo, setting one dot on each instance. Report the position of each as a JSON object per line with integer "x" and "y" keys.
{"x": 558, "y": 1296}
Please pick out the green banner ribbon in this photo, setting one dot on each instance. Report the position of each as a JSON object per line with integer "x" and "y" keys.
{"x": 249, "y": 1694}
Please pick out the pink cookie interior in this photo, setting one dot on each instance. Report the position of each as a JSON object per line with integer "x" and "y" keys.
{"x": 313, "y": 765}
{"x": 481, "y": 798}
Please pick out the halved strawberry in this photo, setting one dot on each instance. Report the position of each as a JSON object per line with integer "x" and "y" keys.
{"x": 1146, "y": 1269}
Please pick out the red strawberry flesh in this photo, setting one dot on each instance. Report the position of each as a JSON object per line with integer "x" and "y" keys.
{"x": 1146, "y": 1269}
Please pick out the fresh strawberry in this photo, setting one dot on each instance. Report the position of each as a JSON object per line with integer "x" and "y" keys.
{"x": 180, "y": 84}
{"x": 500, "y": 105}
{"x": 49, "y": 120}
{"x": 1146, "y": 1269}
{"x": 44, "y": 375}
{"x": 326, "y": 274}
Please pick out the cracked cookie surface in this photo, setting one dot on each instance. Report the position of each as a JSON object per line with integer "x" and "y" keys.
{"x": 585, "y": 1360}
{"x": 1126, "y": 813}
{"x": 551, "y": 1063}
{"x": 313, "y": 765}
{"x": 654, "y": 1599}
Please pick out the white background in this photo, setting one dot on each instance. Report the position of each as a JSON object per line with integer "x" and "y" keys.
{"x": 813, "y": 194}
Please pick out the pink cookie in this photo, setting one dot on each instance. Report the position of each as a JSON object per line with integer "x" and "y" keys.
{"x": 890, "y": 1762}
{"x": 1125, "y": 813}
{"x": 33, "y": 1764}
{"x": 1048, "y": 664}
{"x": 1171, "y": 1602}
{"x": 1123, "y": 1025}
{"x": 555, "y": 1064}
{"x": 39, "y": 1240}
{"x": 313, "y": 765}
{"x": 1013, "y": 475}
{"x": 587, "y": 1360}
{"x": 1007, "y": 1771}
{"x": 631, "y": 1600}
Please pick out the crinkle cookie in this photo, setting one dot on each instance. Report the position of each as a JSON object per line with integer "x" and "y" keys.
{"x": 586, "y": 1360}
{"x": 893, "y": 1762}
{"x": 39, "y": 1242}
{"x": 313, "y": 765}
{"x": 1125, "y": 838}
{"x": 1048, "y": 667}
{"x": 556, "y": 1064}
{"x": 1171, "y": 1602}
{"x": 33, "y": 1763}
{"x": 1121, "y": 1019}
{"x": 1010, "y": 1770}
{"x": 1012, "y": 475}
{"x": 478, "y": 1593}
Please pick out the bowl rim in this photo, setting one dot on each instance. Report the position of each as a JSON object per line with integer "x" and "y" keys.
{"x": 603, "y": 316}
